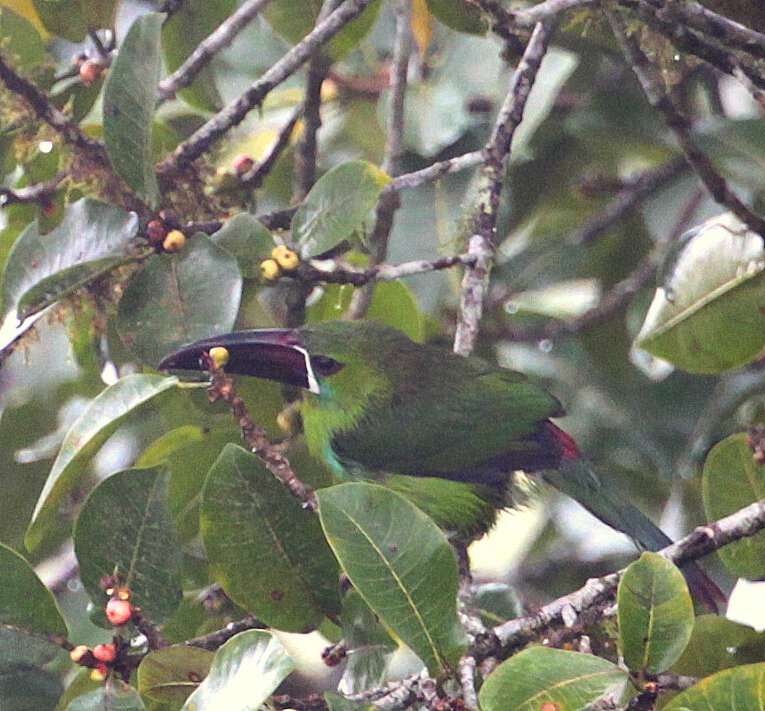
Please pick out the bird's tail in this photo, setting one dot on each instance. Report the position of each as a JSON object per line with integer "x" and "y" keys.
{"x": 576, "y": 478}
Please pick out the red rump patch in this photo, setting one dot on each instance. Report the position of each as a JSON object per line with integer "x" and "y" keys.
{"x": 568, "y": 447}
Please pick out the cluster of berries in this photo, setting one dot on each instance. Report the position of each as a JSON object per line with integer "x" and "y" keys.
{"x": 283, "y": 260}
{"x": 164, "y": 233}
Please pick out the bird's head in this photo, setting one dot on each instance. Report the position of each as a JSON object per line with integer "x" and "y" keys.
{"x": 334, "y": 360}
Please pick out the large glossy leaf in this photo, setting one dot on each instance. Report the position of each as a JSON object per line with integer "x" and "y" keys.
{"x": 26, "y": 688}
{"x": 130, "y": 96}
{"x": 63, "y": 18}
{"x": 38, "y": 264}
{"x": 369, "y": 645}
{"x": 20, "y": 648}
{"x": 717, "y": 644}
{"x": 655, "y": 614}
{"x": 248, "y": 240}
{"x": 124, "y": 527}
{"x": 184, "y": 30}
{"x": 460, "y": 15}
{"x": 337, "y": 206}
{"x": 539, "y": 676}
{"x": 85, "y": 437}
{"x": 170, "y": 675}
{"x": 24, "y": 601}
{"x": 20, "y": 38}
{"x": 265, "y": 550}
{"x": 732, "y": 480}
{"x": 401, "y": 564}
{"x": 245, "y": 672}
{"x": 740, "y": 689}
{"x": 167, "y": 304}
{"x": 709, "y": 316}
{"x": 114, "y": 695}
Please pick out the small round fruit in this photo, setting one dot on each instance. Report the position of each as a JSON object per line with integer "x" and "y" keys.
{"x": 174, "y": 241}
{"x": 106, "y": 653}
{"x": 243, "y": 164}
{"x": 156, "y": 232}
{"x": 78, "y": 653}
{"x": 270, "y": 269}
{"x": 286, "y": 258}
{"x": 99, "y": 673}
{"x": 90, "y": 71}
{"x": 219, "y": 356}
{"x": 118, "y": 612}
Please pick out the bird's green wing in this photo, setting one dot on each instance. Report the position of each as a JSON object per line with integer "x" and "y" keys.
{"x": 453, "y": 417}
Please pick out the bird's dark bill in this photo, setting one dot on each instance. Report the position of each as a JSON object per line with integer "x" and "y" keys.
{"x": 275, "y": 354}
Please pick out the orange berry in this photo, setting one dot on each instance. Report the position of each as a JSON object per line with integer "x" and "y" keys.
{"x": 106, "y": 653}
{"x": 174, "y": 241}
{"x": 78, "y": 653}
{"x": 118, "y": 612}
{"x": 90, "y": 71}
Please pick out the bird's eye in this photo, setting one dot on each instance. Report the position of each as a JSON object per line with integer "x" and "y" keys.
{"x": 324, "y": 365}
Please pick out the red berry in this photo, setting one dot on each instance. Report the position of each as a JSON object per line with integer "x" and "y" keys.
{"x": 105, "y": 652}
{"x": 118, "y": 612}
{"x": 242, "y": 164}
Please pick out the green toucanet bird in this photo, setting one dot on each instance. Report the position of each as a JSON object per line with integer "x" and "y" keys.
{"x": 446, "y": 431}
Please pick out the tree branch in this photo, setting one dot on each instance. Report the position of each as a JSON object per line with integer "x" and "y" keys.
{"x": 254, "y": 178}
{"x": 680, "y": 126}
{"x": 39, "y": 193}
{"x": 476, "y": 280}
{"x": 216, "y": 639}
{"x": 46, "y": 111}
{"x": 566, "y": 610}
{"x": 221, "y": 38}
{"x": 233, "y": 114}
{"x": 508, "y": 19}
{"x": 394, "y": 147}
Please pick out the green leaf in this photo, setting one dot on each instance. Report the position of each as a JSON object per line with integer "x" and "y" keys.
{"x": 99, "y": 13}
{"x": 460, "y": 15}
{"x": 655, "y": 614}
{"x": 162, "y": 448}
{"x": 29, "y": 689}
{"x": 292, "y": 20}
{"x": 167, "y": 304}
{"x": 245, "y": 672}
{"x": 401, "y": 564}
{"x": 740, "y": 689}
{"x": 20, "y": 648}
{"x": 539, "y": 675}
{"x": 130, "y": 96}
{"x": 41, "y": 263}
{"x": 337, "y": 206}
{"x": 20, "y": 38}
{"x": 181, "y": 35}
{"x": 63, "y": 18}
{"x": 248, "y": 240}
{"x": 91, "y": 429}
{"x": 717, "y": 644}
{"x": 169, "y": 675}
{"x": 351, "y": 35}
{"x": 393, "y": 303}
{"x": 124, "y": 527}
{"x": 369, "y": 645}
{"x": 65, "y": 282}
{"x": 114, "y": 695}
{"x": 714, "y": 318}
{"x": 732, "y": 480}
{"x": 24, "y": 601}
{"x": 496, "y": 603}
{"x": 75, "y": 97}
{"x": 264, "y": 549}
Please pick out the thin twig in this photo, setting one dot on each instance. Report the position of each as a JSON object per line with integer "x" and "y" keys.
{"x": 255, "y": 177}
{"x": 222, "y": 388}
{"x": 221, "y": 38}
{"x": 216, "y": 639}
{"x": 686, "y": 40}
{"x": 633, "y": 194}
{"x": 436, "y": 171}
{"x": 505, "y": 19}
{"x": 476, "y": 280}
{"x": 394, "y": 147}
{"x": 46, "y": 111}
{"x": 316, "y": 272}
{"x": 233, "y": 114}
{"x": 680, "y": 126}
{"x": 39, "y": 193}
{"x": 565, "y": 610}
